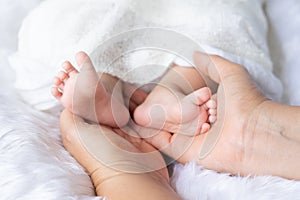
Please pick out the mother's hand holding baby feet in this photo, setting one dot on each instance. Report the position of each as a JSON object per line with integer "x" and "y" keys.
{"x": 248, "y": 131}
{"x": 180, "y": 103}
{"x": 245, "y": 134}
{"x": 114, "y": 158}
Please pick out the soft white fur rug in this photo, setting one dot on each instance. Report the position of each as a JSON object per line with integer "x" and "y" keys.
{"x": 34, "y": 164}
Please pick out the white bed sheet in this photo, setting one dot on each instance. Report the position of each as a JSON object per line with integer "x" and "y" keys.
{"x": 34, "y": 164}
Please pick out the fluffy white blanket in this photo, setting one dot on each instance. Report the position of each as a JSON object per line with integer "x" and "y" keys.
{"x": 34, "y": 164}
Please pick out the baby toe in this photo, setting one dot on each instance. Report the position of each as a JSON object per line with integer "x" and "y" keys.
{"x": 57, "y": 81}
{"x": 212, "y": 119}
{"x": 205, "y": 127}
{"x": 68, "y": 67}
{"x": 212, "y": 111}
{"x": 211, "y": 104}
{"x": 56, "y": 93}
{"x": 63, "y": 75}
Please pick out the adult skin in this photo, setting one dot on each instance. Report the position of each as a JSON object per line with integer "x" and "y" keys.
{"x": 121, "y": 176}
{"x": 252, "y": 135}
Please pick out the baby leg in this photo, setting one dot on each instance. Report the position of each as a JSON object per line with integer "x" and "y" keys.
{"x": 93, "y": 97}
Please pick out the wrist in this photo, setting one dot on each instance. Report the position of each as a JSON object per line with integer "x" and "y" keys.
{"x": 288, "y": 118}
{"x": 151, "y": 185}
{"x": 268, "y": 152}
{"x": 102, "y": 175}
{"x": 283, "y": 119}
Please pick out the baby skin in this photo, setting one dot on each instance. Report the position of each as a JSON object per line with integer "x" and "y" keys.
{"x": 92, "y": 96}
{"x": 176, "y": 104}
{"x": 179, "y": 103}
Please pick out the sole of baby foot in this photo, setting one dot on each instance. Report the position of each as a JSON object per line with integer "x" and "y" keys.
{"x": 188, "y": 115}
{"x": 83, "y": 94}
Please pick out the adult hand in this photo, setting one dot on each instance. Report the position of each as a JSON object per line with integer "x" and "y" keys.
{"x": 109, "y": 154}
{"x": 227, "y": 146}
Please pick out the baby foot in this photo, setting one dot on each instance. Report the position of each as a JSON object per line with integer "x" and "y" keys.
{"x": 174, "y": 112}
{"x": 84, "y": 94}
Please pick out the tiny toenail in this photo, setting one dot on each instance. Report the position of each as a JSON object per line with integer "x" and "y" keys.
{"x": 65, "y": 63}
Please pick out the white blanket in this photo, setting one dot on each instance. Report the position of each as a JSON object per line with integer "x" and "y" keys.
{"x": 57, "y": 29}
{"x": 34, "y": 164}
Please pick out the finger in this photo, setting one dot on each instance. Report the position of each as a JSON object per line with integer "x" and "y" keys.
{"x": 130, "y": 135}
{"x": 161, "y": 140}
{"x": 72, "y": 143}
{"x": 141, "y": 144}
{"x": 173, "y": 145}
{"x": 136, "y": 95}
{"x": 144, "y": 132}
{"x": 215, "y": 67}
{"x": 179, "y": 147}
{"x": 134, "y": 138}
{"x": 158, "y": 138}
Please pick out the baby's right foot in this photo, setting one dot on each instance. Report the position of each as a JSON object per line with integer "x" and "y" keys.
{"x": 174, "y": 112}
{"x": 85, "y": 95}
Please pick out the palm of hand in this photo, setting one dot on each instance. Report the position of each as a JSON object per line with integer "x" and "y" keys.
{"x": 119, "y": 152}
{"x": 226, "y": 145}
{"x": 223, "y": 147}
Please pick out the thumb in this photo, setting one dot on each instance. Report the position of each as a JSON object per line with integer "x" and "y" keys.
{"x": 215, "y": 67}
{"x": 179, "y": 147}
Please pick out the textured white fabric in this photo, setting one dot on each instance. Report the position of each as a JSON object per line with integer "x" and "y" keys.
{"x": 57, "y": 29}
{"x": 31, "y": 152}
{"x": 284, "y": 44}
{"x": 34, "y": 164}
{"x": 235, "y": 26}
{"x": 193, "y": 182}
{"x": 49, "y": 36}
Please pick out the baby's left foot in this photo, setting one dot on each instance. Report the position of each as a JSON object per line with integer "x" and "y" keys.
{"x": 94, "y": 99}
{"x": 174, "y": 112}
